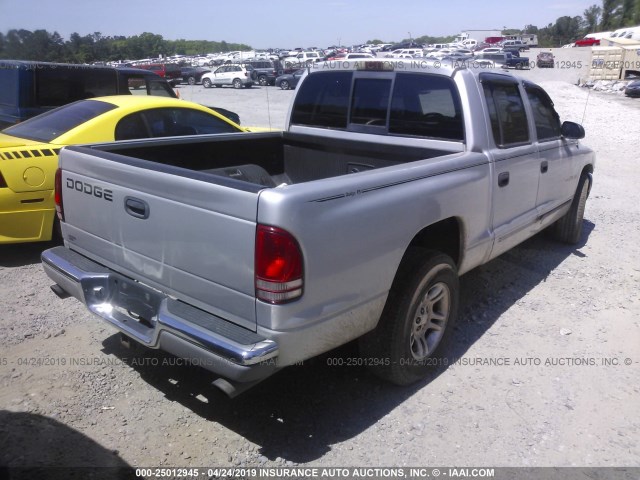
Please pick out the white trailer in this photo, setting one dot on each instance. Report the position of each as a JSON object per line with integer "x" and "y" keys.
{"x": 477, "y": 35}
{"x": 529, "y": 39}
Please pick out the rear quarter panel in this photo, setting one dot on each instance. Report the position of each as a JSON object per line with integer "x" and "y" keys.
{"x": 354, "y": 230}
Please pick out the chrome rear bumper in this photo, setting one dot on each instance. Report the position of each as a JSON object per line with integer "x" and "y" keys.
{"x": 158, "y": 321}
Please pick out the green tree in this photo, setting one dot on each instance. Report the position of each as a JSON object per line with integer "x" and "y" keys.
{"x": 44, "y": 46}
{"x": 610, "y": 14}
{"x": 627, "y": 13}
{"x": 592, "y": 18}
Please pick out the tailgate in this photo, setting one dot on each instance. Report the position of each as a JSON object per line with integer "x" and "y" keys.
{"x": 188, "y": 234}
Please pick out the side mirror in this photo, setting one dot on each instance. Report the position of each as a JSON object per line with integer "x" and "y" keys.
{"x": 572, "y": 130}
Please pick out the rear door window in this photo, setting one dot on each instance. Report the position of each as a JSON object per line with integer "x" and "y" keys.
{"x": 507, "y": 114}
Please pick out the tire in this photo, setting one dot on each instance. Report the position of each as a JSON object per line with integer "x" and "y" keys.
{"x": 262, "y": 80}
{"x": 568, "y": 229}
{"x": 191, "y": 80}
{"x": 284, "y": 85}
{"x": 206, "y": 83}
{"x": 237, "y": 83}
{"x": 417, "y": 319}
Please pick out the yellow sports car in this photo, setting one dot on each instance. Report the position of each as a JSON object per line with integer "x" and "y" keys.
{"x": 29, "y": 150}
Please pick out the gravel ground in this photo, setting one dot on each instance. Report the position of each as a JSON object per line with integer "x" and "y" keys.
{"x": 558, "y": 324}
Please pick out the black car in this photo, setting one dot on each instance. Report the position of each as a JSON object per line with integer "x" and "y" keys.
{"x": 633, "y": 89}
{"x": 193, "y": 75}
{"x": 289, "y": 80}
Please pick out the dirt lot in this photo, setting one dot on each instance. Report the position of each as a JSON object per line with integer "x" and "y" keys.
{"x": 548, "y": 369}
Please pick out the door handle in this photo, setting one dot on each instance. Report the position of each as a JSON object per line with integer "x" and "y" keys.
{"x": 503, "y": 179}
{"x": 136, "y": 207}
{"x": 544, "y": 166}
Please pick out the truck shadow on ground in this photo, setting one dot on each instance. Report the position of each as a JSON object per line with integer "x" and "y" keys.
{"x": 21, "y": 254}
{"x": 300, "y": 412}
{"x": 34, "y": 446}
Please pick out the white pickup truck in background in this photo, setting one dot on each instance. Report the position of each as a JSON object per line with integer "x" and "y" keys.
{"x": 249, "y": 252}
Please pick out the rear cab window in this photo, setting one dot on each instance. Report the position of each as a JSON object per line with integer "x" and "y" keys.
{"x": 397, "y": 103}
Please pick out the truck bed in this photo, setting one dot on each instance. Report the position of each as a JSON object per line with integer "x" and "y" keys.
{"x": 264, "y": 160}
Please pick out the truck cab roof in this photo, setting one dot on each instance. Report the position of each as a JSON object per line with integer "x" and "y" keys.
{"x": 446, "y": 68}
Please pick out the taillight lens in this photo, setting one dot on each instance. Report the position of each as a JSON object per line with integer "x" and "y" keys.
{"x": 278, "y": 265}
{"x": 58, "y": 195}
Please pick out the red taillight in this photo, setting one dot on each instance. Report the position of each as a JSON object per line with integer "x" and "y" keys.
{"x": 278, "y": 265}
{"x": 58, "y": 195}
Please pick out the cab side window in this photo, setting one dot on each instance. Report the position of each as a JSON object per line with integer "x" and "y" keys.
{"x": 546, "y": 119}
{"x": 507, "y": 114}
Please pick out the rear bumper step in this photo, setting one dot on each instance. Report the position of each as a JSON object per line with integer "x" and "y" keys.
{"x": 158, "y": 321}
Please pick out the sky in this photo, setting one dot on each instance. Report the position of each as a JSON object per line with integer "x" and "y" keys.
{"x": 281, "y": 23}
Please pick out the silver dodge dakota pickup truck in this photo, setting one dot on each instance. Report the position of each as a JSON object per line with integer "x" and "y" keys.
{"x": 249, "y": 252}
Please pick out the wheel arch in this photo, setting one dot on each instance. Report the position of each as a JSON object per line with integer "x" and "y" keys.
{"x": 588, "y": 170}
{"x": 445, "y": 236}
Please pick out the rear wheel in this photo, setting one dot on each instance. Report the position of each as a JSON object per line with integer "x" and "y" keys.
{"x": 191, "y": 80}
{"x": 206, "y": 83}
{"x": 237, "y": 83}
{"x": 262, "y": 80}
{"x": 284, "y": 85}
{"x": 417, "y": 320}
